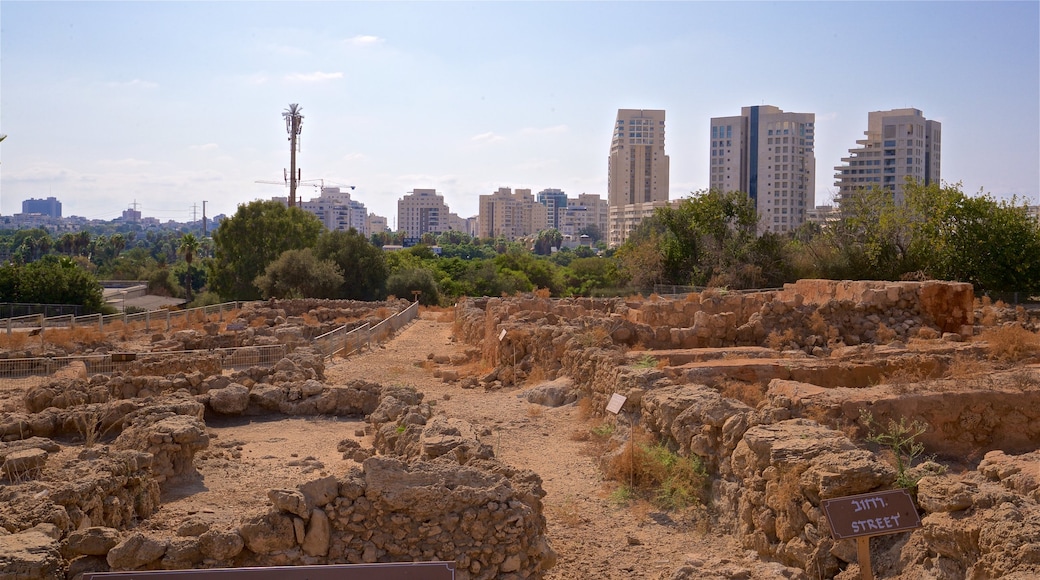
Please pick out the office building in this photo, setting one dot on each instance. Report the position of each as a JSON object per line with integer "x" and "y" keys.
{"x": 637, "y": 170}
{"x": 899, "y": 143}
{"x": 510, "y": 214}
{"x": 49, "y": 207}
{"x": 769, "y": 155}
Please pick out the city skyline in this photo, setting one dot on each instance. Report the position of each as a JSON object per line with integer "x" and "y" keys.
{"x": 170, "y": 104}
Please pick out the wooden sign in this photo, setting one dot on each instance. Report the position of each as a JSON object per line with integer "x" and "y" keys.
{"x": 502, "y": 335}
{"x": 391, "y": 571}
{"x": 616, "y": 402}
{"x": 871, "y": 514}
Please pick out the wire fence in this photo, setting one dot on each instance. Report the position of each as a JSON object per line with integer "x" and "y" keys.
{"x": 16, "y": 309}
{"x": 677, "y": 290}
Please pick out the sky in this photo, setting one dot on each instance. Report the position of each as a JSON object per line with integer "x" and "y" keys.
{"x": 163, "y": 105}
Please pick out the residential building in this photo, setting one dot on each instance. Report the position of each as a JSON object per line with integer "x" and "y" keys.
{"x": 377, "y": 223}
{"x": 587, "y": 210}
{"x": 555, "y": 201}
{"x": 422, "y": 211}
{"x": 899, "y": 143}
{"x": 637, "y": 170}
{"x": 510, "y": 214}
{"x": 49, "y": 207}
{"x": 768, "y": 154}
{"x": 337, "y": 211}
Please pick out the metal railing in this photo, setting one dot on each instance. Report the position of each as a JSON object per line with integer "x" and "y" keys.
{"x": 163, "y": 318}
{"x": 344, "y": 341}
{"x": 16, "y": 309}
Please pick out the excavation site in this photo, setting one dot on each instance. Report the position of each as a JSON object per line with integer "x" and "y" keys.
{"x": 695, "y": 436}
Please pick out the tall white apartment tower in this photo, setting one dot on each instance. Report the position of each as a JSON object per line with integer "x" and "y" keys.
{"x": 769, "y": 155}
{"x": 900, "y": 143}
{"x": 637, "y": 170}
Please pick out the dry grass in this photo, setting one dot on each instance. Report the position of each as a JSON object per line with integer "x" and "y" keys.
{"x": 74, "y": 337}
{"x": 779, "y": 342}
{"x": 968, "y": 366}
{"x": 437, "y": 313}
{"x": 818, "y": 324}
{"x": 537, "y": 375}
{"x": 596, "y": 336}
{"x": 14, "y": 341}
{"x": 1011, "y": 343}
{"x": 542, "y": 293}
{"x": 535, "y": 411}
{"x": 748, "y": 393}
{"x": 884, "y": 334}
{"x": 650, "y": 471}
{"x": 585, "y": 408}
{"x": 474, "y": 369}
{"x": 568, "y": 513}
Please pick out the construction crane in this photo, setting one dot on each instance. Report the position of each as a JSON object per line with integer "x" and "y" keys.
{"x": 320, "y": 184}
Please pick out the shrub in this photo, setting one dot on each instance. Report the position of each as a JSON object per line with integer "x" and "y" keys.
{"x": 901, "y": 439}
{"x": 1011, "y": 343}
{"x": 655, "y": 472}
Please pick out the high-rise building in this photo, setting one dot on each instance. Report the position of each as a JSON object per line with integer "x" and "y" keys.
{"x": 337, "y": 211}
{"x": 376, "y": 224}
{"x": 637, "y": 170}
{"x": 49, "y": 207}
{"x": 555, "y": 201}
{"x": 510, "y": 215}
{"x": 422, "y": 211}
{"x": 900, "y": 143}
{"x": 769, "y": 155}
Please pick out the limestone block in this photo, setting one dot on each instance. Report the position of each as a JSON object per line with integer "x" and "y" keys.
{"x": 221, "y": 544}
{"x": 93, "y": 541}
{"x": 30, "y": 555}
{"x": 268, "y": 533}
{"x": 290, "y": 501}
{"x": 231, "y": 400}
{"x": 944, "y": 494}
{"x": 135, "y": 552}
{"x": 319, "y": 535}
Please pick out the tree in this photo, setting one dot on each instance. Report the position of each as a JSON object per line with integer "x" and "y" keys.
{"x": 298, "y": 274}
{"x": 246, "y": 243}
{"x": 50, "y": 280}
{"x": 404, "y": 282}
{"x": 362, "y": 265}
{"x": 547, "y": 240}
{"x": 189, "y": 248}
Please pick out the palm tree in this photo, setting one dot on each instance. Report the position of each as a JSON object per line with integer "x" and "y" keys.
{"x": 189, "y": 248}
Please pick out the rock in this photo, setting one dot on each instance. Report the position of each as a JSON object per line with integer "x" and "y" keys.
{"x": 221, "y": 544}
{"x": 552, "y": 394}
{"x": 93, "y": 541}
{"x": 319, "y": 535}
{"x": 319, "y": 492}
{"x": 192, "y": 527}
{"x": 24, "y": 464}
{"x": 289, "y": 500}
{"x": 943, "y": 494}
{"x": 231, "y": 400}
{"x": 30, "y": 555}
{"x": 135, "y": 552}
{"x": 181, "y": 553}
{"x": 268, "y": 533}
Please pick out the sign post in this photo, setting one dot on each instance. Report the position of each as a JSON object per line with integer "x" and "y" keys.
{"x": 870, "y": 514}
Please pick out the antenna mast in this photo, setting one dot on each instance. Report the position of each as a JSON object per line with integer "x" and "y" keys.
{"x": 293, "y": 126}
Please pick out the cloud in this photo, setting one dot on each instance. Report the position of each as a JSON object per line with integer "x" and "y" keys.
{"x": 204, "y": 147}
{"x": 826, "y": 117}
{"x": 314, "y": 77}
{"x": 134, "y": 84}
{"x": 555, "y": 129}
{"x": 355, "y": 157}
{"x": 364, "y": 40}
{"x": 488, "y": 137}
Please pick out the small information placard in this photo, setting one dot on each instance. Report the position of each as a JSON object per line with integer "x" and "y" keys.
{"x": 616, "y": 402}
{"x": 501, "y": 335}
{"x": 871, "y": 514}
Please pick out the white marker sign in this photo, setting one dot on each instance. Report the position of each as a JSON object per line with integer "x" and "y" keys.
{"x": 616, "y": 402}
{"x": 501, "y": 335}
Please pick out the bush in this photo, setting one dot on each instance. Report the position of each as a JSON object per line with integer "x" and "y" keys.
{"x": 651, "y": 469}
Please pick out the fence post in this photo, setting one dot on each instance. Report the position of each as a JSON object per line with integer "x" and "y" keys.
{"x": 101, "y": 322}
{"x": 148, "y": 320}
{"x": 167, "y": 321}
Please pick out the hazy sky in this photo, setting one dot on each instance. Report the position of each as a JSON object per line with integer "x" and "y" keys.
{"x": 167, "y": 104}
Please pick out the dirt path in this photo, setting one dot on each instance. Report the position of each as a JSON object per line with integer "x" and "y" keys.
{"x": 594, "y": 537}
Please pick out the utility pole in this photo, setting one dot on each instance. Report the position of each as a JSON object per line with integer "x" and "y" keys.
{"x": 294, "y": 126}
{"x": 203, "y": 218}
